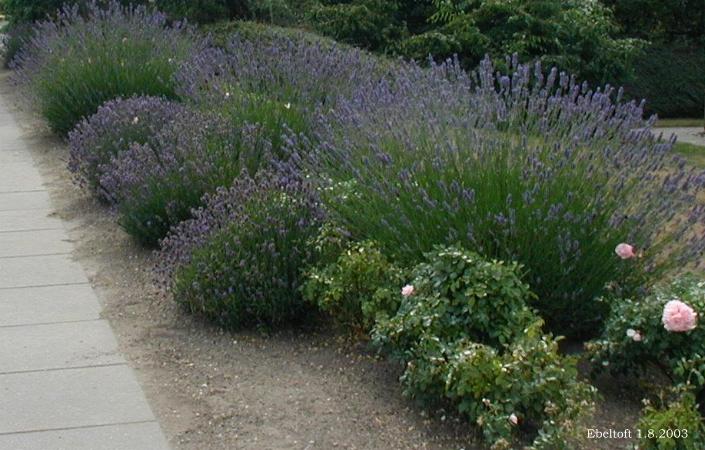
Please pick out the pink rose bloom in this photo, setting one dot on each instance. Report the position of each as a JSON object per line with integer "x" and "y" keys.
{"x": 407, "y": 291}
{"x": 625, "y": 251}
{"x": 679, "y": 317}
{"x": 513, "y": 419}
{"x": 637, "y": 337}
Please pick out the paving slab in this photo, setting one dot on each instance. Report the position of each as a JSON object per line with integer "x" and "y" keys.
{"x": 26, "y": 306}
{"x": 11, "y": 155}
{"x": 27, "y": 271}
{"x": 70, "y": 398}
{"x": 23, "y": 220}
{"x": 34, "y": 243}
{"x": 9, "y": 132}
{"x": 19, "y": 177}
{"x": 63, "y": 382}
{"x": 57, "y": 345}
{"x": 18, "y": 201}
{"x": 135, "y": 436}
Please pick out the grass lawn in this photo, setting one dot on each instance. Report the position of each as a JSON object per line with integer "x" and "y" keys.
{"x": 695, "y": 154}
{"x": 680, "y": 123}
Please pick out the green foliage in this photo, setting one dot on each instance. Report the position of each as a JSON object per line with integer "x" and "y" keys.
{"x": 580, "y": 36}
{"x": 174, "y": 176}
{"x": 577, "y": 36}
{"x": 459, "y": 37}
{"x": 661, "y": 20}
{"x": 679, "y": 355}
{"x": 468, "y": 339}
{"x": 282, "y": 12}
{"x": 222, "y": 32}
{"x": 69, "y": 71}
{"x": 670, "y": 78}
{"x": 248, "y": 272}
{"x": 371, "y": 24}
{"x": 203, "y": 11}
{"x": 459, "y": 294}
{"x": 14, "y": 38}
{"x": 358, "y": 289}
{"x": 28, "y": 11}
{"x": 675, "y": 424}
{"x": 271, "y": 116}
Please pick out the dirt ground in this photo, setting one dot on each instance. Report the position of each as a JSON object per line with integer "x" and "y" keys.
{"x": 213, "y": 390}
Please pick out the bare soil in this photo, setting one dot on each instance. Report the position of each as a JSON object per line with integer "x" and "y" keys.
{"x": 210, "y": 390}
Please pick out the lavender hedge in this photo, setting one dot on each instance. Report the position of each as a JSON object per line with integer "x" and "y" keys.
{"x": 156, "y": 185}
{"x": 239, "y": 260}
{"x": 111, "y": 131}
{"x": 74, "y": 63}
{"x": 521, "y": 167}
{"x": 279, "y": 83}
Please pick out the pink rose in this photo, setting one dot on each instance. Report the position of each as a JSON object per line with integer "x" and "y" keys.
{"x": 407, "y": 291}
{"x": 637, "y": 337}
{"x": 625, "y": 251}
{"x": 679, "y": 317}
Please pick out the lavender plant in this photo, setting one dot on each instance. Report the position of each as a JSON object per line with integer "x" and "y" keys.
{"x": 156, "y": 185}
{"x": 239, "y": 260}
{"x": 111, "y": 131}
{"x": 76, "y": 62}
{"x": 524, "y": 167}
{"x": 278, "y": 83}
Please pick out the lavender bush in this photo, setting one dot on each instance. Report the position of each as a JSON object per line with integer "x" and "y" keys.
{"x": 116, "y": 126}
{"x": 156, "y": 185}
{"x": 75, "y": 63}
{"x": 522, "y": 167}
{"x": 278, "y": 83}
{"x": 239, "y": 260}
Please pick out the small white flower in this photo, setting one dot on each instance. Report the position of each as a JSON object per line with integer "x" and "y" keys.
{"x": 136, "y": 120}
{"x": 631, "y": 333}
{"x": 407, "y": 291}
{"x": 637, "y": 337}
{"x": 287, "y": 106}
{"x": 227, "y": 95}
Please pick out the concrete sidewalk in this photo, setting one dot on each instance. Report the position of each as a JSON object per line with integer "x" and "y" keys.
{"x": 63, "y": 384}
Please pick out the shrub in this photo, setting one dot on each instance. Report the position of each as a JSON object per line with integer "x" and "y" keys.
{"x": 28, "y": 11}
{"x": 467, "y": 338}
{"x": 539, "y": 170}
{"x": 12, "y": 39}
{"x": 74, "y": 64}
{"x": 459, "y": 294}
{"x": 669, "y": 77}
{"x": 221, "y": 34}
{"x": 636, "y": 337}
{"x": 238, "y": 261}
{"x": 278, "y": 84}
{"x": 371, "y": 24}
{"x": 458, "y": 38}
{"x": 156, "y": 185}
{"x": 676, "y": 424}
{"x": 117, "y": 125}
{"x": 357, "y": 289}
{"x": 203, "y": 11}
